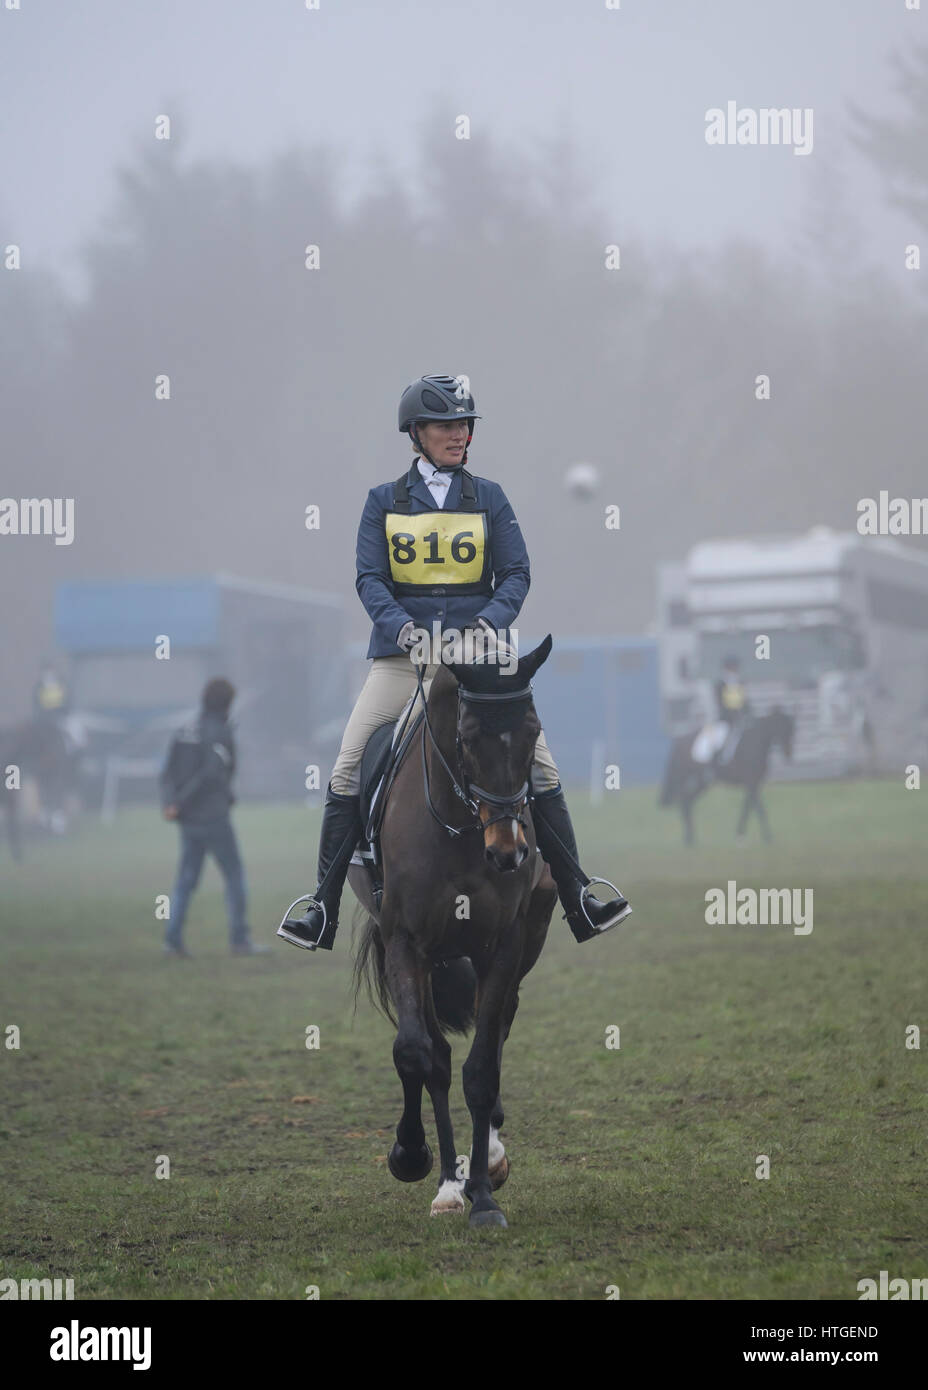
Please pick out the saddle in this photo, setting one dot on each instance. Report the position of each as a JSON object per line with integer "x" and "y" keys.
{"x": 379, "y": 763}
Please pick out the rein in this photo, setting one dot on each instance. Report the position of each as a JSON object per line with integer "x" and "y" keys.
{"x": 467, "y": 791}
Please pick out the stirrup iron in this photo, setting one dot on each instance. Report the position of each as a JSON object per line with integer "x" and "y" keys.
{"x": 296, "y": 940}
{"x": 599, "y": 931}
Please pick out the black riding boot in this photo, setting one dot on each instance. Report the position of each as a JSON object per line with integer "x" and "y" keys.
{"x": 338, "y": 839}
{"x": 555, "y": 836}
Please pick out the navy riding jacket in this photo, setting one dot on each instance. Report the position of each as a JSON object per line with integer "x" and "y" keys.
{"x": 452, "y": 567}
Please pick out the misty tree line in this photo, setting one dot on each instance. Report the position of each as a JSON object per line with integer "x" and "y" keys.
{"x": 285, "y": 381}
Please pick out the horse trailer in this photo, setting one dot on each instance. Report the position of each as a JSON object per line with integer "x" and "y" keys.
{"x": 847, "y": 621}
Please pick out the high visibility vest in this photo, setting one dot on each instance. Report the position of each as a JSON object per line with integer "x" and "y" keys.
{"x": 51, "y": 695}
{"x": 733, "y": 695}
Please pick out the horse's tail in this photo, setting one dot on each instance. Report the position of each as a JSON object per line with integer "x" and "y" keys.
{"x": 454, "y": 982}
{"x": 454, "y": 991}
{"x": 370, "y": 971}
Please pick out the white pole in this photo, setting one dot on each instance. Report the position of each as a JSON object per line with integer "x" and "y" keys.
{"x": 597, "y": 764}
{"x": 110, "y": 784}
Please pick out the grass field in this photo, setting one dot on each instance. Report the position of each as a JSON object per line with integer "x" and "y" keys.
{"x": 632, "y": 1167}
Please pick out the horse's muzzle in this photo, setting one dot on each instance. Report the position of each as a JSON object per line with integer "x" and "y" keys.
{"x": 506, "y": 861}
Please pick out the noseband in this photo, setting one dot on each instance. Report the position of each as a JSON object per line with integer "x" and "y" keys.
{"x": 467, "y": 791}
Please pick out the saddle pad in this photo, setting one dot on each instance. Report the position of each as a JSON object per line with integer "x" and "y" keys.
{"x": 708, "y": 742}
{"x": 383, "y": 749}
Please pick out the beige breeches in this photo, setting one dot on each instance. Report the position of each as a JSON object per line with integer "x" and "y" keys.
{"x": 390, "y": 682}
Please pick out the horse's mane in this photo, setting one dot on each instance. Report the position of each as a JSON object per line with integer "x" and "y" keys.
{"x": 444, "y": 684}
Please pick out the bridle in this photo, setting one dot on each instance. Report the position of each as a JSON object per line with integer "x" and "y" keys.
{"x": 511, "y": 807}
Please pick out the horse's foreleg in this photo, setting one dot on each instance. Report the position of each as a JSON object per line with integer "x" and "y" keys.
{"x": 449, "y": 1198}
{"x": 482, "y": 1072}
{"x": 410, "y": 1159}
{"x": 746, "y": 805}
{"x": 686, "y": 811}
{"x": 14, "y": 830}
{"x": 537, "y": 919}
{"x": 497, "y": 1160}
{"x": 762, "y": 815}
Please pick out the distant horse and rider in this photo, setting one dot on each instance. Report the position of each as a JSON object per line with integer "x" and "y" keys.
{"x": 37, "y": 751}
{"x": 735, "y": 750}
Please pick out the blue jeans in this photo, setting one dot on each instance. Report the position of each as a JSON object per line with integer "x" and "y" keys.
{"x": 215, "y": 837}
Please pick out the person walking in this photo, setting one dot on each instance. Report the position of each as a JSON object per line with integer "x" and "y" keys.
{"x": 196, "y": 792}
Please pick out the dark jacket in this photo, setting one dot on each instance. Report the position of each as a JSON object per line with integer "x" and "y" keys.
{"x": 198, "y": 771}
{"x": 497, "y": 596}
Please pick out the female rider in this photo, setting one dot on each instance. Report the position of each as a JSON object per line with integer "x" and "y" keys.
{"x": 485, "y": 585}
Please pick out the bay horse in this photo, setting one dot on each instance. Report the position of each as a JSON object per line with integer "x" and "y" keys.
{"x": 463, "y": 916}
{"x": 39, "y": 749}
{"x": 685, "y": 780}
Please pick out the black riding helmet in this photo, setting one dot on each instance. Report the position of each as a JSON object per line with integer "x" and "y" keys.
{"x": 436, "y": 398}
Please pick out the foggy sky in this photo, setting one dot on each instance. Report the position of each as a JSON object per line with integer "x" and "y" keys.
{"x": 735, "y": 261}
{"x": 80, "y": 81}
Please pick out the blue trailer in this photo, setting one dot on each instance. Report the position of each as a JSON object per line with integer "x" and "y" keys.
{"x": 598, "y": 700}
{"x": 280, "y": 646}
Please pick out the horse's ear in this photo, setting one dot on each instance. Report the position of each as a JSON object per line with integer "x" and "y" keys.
{"x": 528, "y": 665}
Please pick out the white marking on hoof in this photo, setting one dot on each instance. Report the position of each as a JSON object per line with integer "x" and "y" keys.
{"x": 496, "y": 1152}
{"x": 450, "y": 1198}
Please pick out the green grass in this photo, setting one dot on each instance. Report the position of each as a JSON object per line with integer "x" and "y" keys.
{"x": 632, "y": 1167}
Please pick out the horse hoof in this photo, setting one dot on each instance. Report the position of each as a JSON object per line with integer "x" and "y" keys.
{"x": 500, "y": 1173}
{"x": 410, "y": 1167}
{"x": 449, "y": 1201}
{"x": 492, "y": 1217}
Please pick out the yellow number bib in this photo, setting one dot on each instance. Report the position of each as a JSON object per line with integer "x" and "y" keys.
{"x": 437, "y": 548}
